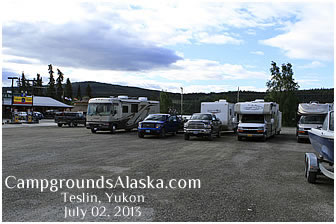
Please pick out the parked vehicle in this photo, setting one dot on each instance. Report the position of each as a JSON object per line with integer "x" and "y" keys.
{"x": 322, "y": 140}
{"x": 311, "y": 115}
{"x": 202, "y": 125}
{"x": 159, "y": 124}
{"x": 22, "y": 115}
{"x": 122, "y": 112}
{"x": 258, "y": 119}
{"x": 224, "y": 111}
{"x": 73, "y": 119}
{"x": 50, "y": 114}
{"x": 38, "y": 115}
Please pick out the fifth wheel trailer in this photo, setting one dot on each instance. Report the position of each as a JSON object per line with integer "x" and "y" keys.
{"x": 122, "y": 112}
{"x": 258, "y": 119}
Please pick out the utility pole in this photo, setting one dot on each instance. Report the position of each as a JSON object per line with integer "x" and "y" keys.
{"x": 12, "y": 94}
{"x": 181, "y": 101}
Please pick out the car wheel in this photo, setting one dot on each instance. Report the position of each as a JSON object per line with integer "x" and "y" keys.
{"x": 93, "y": 130}
{"x": 264, "y": 138}
{"x": 75, "y": 124}
{"x": 299, "y": 140}
{"x": 71, "y": 124}
{"x": 140, "y": 135}
{"x": 163, "y": 133}
{"x": 218, "y": 134}
{"x": 59, "y": 125}
{"x": 186, "y": 137}
{"x": 239, "y": 138}
{"x": 210, "y": 137}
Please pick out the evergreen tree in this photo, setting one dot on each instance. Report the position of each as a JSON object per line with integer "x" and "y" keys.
{"x": 79, "y": 94}
{"x": 22, "y": 83}
{"x": 38, "y": 85}
{"x": 59, "y": 85}
{"x": 88, "y": 91}
{"x": 51, "y": 83}
{"x": 68, "y": 89}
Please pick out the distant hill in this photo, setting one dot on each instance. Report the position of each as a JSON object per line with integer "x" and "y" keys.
{"x": 192, "y": 101}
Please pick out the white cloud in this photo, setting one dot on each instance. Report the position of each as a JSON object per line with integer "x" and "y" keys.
{"x": 313, "y": 64}
{"x": 309, "y": 38}
{"x": 257, "y": 52}
{"x": 217, "y": 39}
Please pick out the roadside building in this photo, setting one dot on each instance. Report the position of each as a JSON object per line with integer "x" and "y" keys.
{"x": 36, "y": 103}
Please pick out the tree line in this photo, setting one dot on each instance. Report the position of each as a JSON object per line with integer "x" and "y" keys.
{"x": 56, "y": 89}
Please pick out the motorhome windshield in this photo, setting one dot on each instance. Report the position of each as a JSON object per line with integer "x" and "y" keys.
{"x": 312, "y": 119}
{"x": 201, "y": 117}
{"x": 100, "y": 109}
{"x": 156, "y": 117}
{"x": 252, "y": 118}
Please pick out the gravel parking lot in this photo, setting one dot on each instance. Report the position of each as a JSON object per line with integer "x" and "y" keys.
{"x": 240, "y": 181}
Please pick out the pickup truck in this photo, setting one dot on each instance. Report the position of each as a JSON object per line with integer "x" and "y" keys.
{"x": 159, "y": 124}
{"x": 70, "y": 118}
{"x": 202, "y": 124}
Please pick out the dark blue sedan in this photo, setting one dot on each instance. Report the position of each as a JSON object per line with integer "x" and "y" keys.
{"x": 159, "y": 124}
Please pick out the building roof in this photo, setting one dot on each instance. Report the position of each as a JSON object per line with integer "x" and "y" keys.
{"x": 41, "y": 101}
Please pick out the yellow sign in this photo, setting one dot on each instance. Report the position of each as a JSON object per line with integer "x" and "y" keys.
{"x": 23, "y": 100}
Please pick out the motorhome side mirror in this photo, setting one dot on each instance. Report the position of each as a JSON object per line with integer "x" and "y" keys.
{"x": 233, "y": 120}
{"x": 272, "y": 121}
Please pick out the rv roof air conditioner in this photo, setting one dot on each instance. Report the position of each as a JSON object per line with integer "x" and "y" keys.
{"x": 142, "y": 98}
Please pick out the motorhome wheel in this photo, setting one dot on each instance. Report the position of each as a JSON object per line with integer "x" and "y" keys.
{"x": 186, "y": 137}
{"x": 59, "y": 125}
{"x": 210, "y": 137}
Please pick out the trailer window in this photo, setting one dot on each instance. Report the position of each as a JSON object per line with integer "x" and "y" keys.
{"x": 125, "y": 109}
{"x": 134, "y": 108}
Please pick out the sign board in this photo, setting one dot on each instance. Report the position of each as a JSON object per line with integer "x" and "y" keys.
{"x": 23, "y": 100}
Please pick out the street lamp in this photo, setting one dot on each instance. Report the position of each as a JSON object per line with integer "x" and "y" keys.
{"x": 181, "y": 101}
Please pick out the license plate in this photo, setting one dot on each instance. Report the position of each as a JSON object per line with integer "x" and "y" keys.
{"x": 195, "y": 132}
{"x": 249, "y": 135}
{"x": 147, "y": 131}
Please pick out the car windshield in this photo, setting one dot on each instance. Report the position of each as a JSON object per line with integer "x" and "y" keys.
{"x": 156, "y": 117}
{"x": 252, "y": 118}
{"x": 201, "y": 117}
{"x": 312, "y": 119}
{"x": 100, "y": 109}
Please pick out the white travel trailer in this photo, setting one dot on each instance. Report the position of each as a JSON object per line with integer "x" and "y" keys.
{"x": 258, "y": 119}
{"x": 311, "y": 115}
{"x": 224, "y": 111}
{"x": 122, "y": 112}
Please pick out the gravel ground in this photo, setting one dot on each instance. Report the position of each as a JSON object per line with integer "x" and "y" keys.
{"x": 240, "y": 181}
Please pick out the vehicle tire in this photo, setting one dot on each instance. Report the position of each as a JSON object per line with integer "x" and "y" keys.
{"x": 311, "y": 176}
{"x": 141, "y": 135}
{"x": 59, "y": 125}
{"x": 239, "y": 138}
{"x": 71, "y": 124}
{"x": 93, "y": 130}
{"x": 299, "y": 140}
{"x": 210, "y": 137}
{"x": 162, "y": 133}
{"x": 75, "y": 124}
{"x": 264, "y": 138}
{"x": 218, "y": 134}
{"x": 186, "y": 137}
{"x": 174, "y": 133}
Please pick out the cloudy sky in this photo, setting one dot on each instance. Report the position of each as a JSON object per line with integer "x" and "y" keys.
{"x": 202, "y": 46}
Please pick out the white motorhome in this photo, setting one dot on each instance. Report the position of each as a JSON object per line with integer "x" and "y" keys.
{"x": 258, "y": 119}
{"x": 122, "y": 112}
{"x": 224, "y": 111}
{"x": 311, "y": 115}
